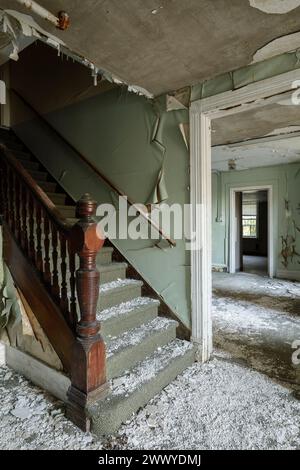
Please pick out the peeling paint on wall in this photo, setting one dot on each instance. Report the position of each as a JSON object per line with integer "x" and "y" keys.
{"x": 279, "y": 7}
{"x": 288, "y": 43}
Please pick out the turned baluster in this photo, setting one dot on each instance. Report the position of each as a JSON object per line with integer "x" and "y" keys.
{"x": 72, "y": 281}
{"x": 18, "y": 225}
{"x": 88, "y": 375}
{"x": 7, "y": 196}
{"x": 47, "y": 268}
{"x": 31, "y": 227}
{"x": 24, "y": 233}
{"x": 39, "y": 254}
{"x": 55, "y": 283}
{"x": 12, "y": 199}
{"x": 64, "y": 304}
{"x": 3, "y": 191}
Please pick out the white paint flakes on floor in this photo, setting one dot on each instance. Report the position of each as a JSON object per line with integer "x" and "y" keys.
{"x": 219, "y": 405}
{"x": 258, "y": 319}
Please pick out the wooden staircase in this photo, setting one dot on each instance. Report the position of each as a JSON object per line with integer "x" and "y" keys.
{"x": 67, "y": 276}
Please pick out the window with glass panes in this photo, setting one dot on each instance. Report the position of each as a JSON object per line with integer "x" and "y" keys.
{"x": 249, "y": 217}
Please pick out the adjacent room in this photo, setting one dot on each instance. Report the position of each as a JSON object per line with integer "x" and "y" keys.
{"x": 256, "y": 232}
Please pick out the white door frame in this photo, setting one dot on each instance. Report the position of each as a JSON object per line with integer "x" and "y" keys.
{"x": 202, "y": 112}
{"x": 232, "y": 248}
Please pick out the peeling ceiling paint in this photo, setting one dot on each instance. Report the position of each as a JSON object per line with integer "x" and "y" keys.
{"x": 284, "y": 130}
{"x": 24, "y": 27}
{"x": 279, "y": 7}
{"x": 181, "y": 44}
{"x": 261, "y": 154}
{"x": 254, "y": 123}
{"x": 288, "y": 43}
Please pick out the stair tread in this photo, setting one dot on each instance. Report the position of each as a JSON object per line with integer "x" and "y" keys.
{"x": 109, "y": 287}
{"x": 114, "y": 266}
{"x": 137, "y": 335}
{"x": 29, "y": 165}
{"x": 65, "y": 206}
{"x": 106, "y": 249}
{"x": 126, "y": 307}
{"x": 24, "y": 153}
{"x": 148, "y": 369}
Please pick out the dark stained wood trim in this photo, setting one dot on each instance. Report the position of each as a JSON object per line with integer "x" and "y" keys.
{"x": 88, "y": 375}
{"x": 46, "y": 311}
{"x": 46, "y": 202}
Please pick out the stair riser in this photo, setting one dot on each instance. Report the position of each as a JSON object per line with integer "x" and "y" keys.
{"x": 28, "y": 165}
{"x": 38, "y": 175}
{"x": 113, "y": 275}
{"x": 46, "y": 186}
{"x": 112, "y": 299}
{"x": 135, "y": 318}
{"x": 129, "y": 357}
{"x": 104, "y": 258}
{"x": 68, "y": 213}
{"x": 11, "y": 144}
{"x": 120, "y": 410}
{"x": 22, "y": 155}
{"x": 59, "y": 199}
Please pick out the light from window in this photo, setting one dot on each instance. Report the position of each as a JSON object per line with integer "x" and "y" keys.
{"x": 249, "y": 219}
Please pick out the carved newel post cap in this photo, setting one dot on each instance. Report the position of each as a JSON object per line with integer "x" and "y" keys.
{"x": 86, "y": 207}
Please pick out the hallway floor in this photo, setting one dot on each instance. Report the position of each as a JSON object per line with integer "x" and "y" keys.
{"x": 257, "y": 319}
{"x": 218, "y": 405}
{"x": 255, "y": 265}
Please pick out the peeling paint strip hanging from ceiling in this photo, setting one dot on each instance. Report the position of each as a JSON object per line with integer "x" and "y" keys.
{"x": 29, "y": 27}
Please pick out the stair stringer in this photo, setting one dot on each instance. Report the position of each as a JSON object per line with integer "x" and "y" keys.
{"x": 46, "y": 311}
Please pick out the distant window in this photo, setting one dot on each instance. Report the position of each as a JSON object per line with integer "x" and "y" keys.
{"x": 250, "y": 229}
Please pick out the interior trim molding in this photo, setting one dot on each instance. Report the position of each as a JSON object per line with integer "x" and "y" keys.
{"x": 288, "y": 275}
{"x": 202, "y": 112}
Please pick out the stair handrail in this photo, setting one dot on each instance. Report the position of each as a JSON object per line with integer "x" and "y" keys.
{"x": 43, "y": 243}
{"x": 48, "y": 205}
{"x": 97, "y": 171}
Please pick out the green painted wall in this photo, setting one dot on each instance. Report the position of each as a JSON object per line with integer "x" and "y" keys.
{"x": 285, "y": 180}
{"x": 121, "y": 134}
{"x": 244, "y": 76}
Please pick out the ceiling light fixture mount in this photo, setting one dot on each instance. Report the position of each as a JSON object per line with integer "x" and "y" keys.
{"x": 61, "y": 21}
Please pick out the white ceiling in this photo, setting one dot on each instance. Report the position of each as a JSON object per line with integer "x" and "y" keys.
{"x": 258, "y": 153}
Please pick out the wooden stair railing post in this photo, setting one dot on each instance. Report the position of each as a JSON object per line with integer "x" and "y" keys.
{"x": 88, "y": 371}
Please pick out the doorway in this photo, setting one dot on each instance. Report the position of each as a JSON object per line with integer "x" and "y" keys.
{"x": 203, "y": 112}
{"x": 251, "y": 231}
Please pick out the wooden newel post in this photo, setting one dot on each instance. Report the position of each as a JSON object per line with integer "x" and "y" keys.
{"x": 88, "y": 375}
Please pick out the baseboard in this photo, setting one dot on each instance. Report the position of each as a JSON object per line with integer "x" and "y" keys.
{"x": 221, "y": 268}
{"x": 37, "y": 372}
{"x": 289, "y": 275}
{"x": 2, "y": 354}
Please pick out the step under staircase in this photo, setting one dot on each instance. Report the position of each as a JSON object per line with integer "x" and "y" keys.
{"x": 143, "y": 354}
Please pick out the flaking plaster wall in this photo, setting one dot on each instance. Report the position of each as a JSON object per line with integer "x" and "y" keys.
{"x": 130, "y": 139}
{"x": 285, "y": 180}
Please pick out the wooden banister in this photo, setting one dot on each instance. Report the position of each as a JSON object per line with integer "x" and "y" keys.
{"x": 40, "y": 249}
{"x": 96, "y": 170}
{"x": 48, "y": 205}
{"x": 89, "y": 349}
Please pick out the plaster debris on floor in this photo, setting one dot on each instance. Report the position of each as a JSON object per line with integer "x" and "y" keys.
{"x": 218, "y": 405}
{"x": 257, "y": 319}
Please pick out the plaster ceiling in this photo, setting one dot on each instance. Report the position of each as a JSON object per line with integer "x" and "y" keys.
{"x": 163, "y": 45}
{"x": 263, "y": 136}
{"x": 255, "y": 123}
{"x": 255, "y": 155}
